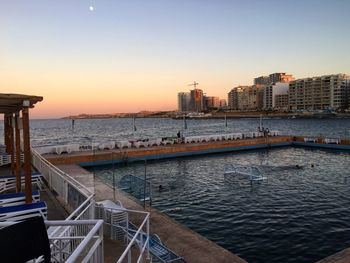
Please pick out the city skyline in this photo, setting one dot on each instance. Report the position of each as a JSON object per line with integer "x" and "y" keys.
{"x": 128, "y": 57}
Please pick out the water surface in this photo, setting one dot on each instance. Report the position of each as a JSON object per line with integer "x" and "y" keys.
{"x": 51, "y": 132}
{"x": 297, "y": 215}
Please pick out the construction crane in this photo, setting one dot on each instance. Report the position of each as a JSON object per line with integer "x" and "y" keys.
{"x": 195, "y": 84}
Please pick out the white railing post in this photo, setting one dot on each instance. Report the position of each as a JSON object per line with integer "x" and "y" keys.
{"x": 148, "y": 255}
{"x": 50, "y": 179}
{"x": 66, "y": 191}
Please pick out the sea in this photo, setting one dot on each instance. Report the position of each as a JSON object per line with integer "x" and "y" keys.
{"x": 85, "y": 131}
{"x": 300, "y": 213}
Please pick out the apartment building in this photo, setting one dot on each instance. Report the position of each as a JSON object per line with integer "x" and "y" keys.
{"x": 281, "y": 102}
{"x": 212, "y": 102}
{"x": 183, "y": 101}
{"x": 273, "y": 78}
{"x": 280, "y": 77}
{"x": 329, "y": 92}
{"x": 245, "y": 98}
{"x": 223, "y": 103}
{"x": 196, "y": 100}
{"x": 271, "y": 91}
{"x": 263, "y": 80}
{"x": 234, "y": 97}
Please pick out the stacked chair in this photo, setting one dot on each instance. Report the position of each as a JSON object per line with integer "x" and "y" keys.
{"x": 118, "y": 226}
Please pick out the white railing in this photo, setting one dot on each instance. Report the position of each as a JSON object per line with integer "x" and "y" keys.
{"x": 65, "y": 186}
{"x": 78, "y": 236}
{"x": 138, "y": 240}
{"x": 116, "y": 224}
{"x": 70, "y": 190}
{"x": 6, "y": 158}
{"x": 71, "y": 247}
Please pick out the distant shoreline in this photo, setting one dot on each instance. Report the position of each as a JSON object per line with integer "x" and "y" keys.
{"x": 228, "y": 115}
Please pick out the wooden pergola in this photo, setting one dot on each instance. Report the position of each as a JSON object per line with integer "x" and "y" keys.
{"x": 12, "y": 105}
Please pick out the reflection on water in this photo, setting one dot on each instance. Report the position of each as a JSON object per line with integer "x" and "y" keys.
{"x": 296, "y": 215}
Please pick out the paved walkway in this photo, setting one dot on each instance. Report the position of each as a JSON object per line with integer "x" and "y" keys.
{"x": 340, "y": 257}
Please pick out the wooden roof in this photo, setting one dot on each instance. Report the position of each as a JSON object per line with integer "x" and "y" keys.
{"x": 11, "y": 103}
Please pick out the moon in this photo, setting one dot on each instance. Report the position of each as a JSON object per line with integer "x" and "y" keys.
{"x": 91, "y": 8}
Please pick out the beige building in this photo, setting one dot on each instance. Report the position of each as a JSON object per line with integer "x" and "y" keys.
{"x": 223, "y": 103}
{"x": 328, "y": 92}
{"x": 271, "y": 91}
{"x": 212, "y": 102}
{"x": 245, "y": 98}
{"x": 234, "y": 97}
{"x": 273, "y": 78}
{"x": 282, "y": 102}
{"x": 280, "y": 77}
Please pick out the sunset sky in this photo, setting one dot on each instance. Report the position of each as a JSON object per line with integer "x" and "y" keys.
{"x": 133, "y": 55}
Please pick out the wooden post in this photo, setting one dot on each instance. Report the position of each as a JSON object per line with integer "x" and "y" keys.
{"x": 7, "y": 132}
{"x": 5, "y": 129}
{"x": 18, "y": 154}
{"x": 27, "y": 161}
{"x": 12, "y": 145}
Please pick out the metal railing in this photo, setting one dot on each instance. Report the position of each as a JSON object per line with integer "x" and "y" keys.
{"x": 7, "y": 159}
{"x": 71, "y": 247}
{"x": 77, "y": 196}
{"x": 72, "y": 192}
{"x": 116, "y": 225}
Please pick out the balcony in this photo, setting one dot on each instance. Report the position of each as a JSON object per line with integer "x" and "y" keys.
{"x": 80, "y": 237}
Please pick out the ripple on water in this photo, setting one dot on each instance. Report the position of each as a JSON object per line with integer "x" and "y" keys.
{"x": 297, "y": 215}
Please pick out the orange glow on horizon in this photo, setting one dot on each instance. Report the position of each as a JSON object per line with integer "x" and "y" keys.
{"x": 76, "y": 92}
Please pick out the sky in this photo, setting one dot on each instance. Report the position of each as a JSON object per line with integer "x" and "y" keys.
{"x": 133, "y": 55}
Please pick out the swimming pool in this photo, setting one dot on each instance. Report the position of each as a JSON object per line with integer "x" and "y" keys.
{"x": 299, "y": 214}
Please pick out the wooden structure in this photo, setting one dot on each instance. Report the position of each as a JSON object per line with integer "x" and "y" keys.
{"x": 13, "y": 106}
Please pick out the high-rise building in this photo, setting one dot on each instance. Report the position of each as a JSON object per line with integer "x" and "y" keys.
{"x": 280, "y": 77}
{"x": 234, "y": 97}
{"x": 273, "y": 78}
{"x": 329, "y": 92}
{"x": 183, "y": 101}
{"x": 223, "y": 103}
{"x": 245, "y": 98}
{"x": 212, "y": 102}
{"x": 281, "y": 102}
{"x": 196, "y": 100}
{"x": 259, "y": 96}
{"x": 270, "y": 93}
{"x": 263, "y": 80}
